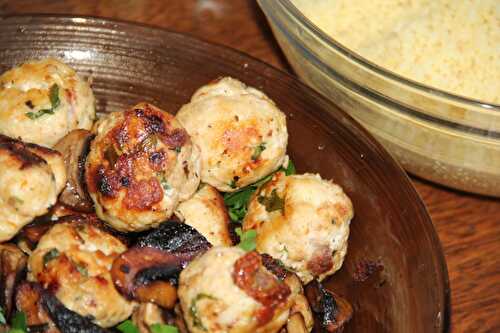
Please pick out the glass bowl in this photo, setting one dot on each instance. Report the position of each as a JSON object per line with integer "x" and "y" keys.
{"x": 445, "y": 138}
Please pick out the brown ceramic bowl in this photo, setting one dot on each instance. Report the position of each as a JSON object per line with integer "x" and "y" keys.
{"x": 392, "y": 232}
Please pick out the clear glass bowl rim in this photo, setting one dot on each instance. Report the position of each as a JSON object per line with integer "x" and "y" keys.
{"x": 368, "y": 65}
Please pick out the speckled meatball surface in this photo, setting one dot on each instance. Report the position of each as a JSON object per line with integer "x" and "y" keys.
{"x": 141, "y": 164}
{"x": 228, "y": 290}
{"x": 31, "y": 178}
{"x": 42, "y": 101}
{"x": 205, "y": 211}
{"x": 73, "y": 260}
{"x": 303, "y": 221}
{"x": 240, "y": 131}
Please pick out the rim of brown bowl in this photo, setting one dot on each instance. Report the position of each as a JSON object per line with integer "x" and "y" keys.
{"x": 321, "y": 113}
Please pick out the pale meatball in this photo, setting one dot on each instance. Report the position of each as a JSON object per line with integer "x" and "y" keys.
{"x": 31, "y": 178}
{"x": 228, "y": 290}
{"x": 240, "y": 131}
{"x": 73, "y": 259}
{"x": 303, "y": 221}
{"x": 141, "y": 164}
{"x": 205, "y": 211}
{"x": 42, "y": 101}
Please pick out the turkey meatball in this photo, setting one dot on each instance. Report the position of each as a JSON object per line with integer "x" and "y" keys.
{"x": 141, "y": 164}
{"x": 42, "y": 101}
{"x": 31, "y": 178}
{"x": 303, "y": 221}
{"x": 228, "y": 290}
{"x": 73, "y": 260}
{"x": 205, "y": 211}
{"x": 241, "y": 133}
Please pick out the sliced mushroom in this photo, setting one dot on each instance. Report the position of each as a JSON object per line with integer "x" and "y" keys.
{"x": 67, "y": 321}
{"x": 28, "y": 300}
{"x": 275, "y": 267}
{"x": 29, "y": 236}
{"x": 12, "y": 270}
{"x": 159, "y": 292}
{"x": 300, "y": 303}
{"x": 331, "y": 311}
{"x": 148, "y": 314}
{"x": 136, "y": 271}
{"x": 75, "y": 147}
{"x": 179, "y": 320}
{"x": 296, "y": 324}
{"x": 178, "y": 238}
{"x": 148, "y": 272}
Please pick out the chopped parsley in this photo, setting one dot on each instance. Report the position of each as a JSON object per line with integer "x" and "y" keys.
{"x": 258, "y": 151}
{"x": 232, "y": 184}
{"x": 19, "y": 323}
{"x": 82, "y": 270}
{"x": 273, "y": 202}
{"x": 49, "y": 256}
{"x": 162, "y": 328}
{"x": 54, "y": 102}
{"x": 164, "y": 183}
{"x": 290, "y": 169}
{"x": 2, "y": 317}
{"x": 247, "y": 239}
{"x": 127, "y": 327}
{"x": 237, "y": 202}
{"x": 193, "y": 310}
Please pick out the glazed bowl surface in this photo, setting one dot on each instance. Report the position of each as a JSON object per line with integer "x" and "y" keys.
{"x": 392, "y": 236}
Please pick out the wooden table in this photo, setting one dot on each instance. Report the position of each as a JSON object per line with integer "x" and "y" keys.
{"x": 468, "y": 225}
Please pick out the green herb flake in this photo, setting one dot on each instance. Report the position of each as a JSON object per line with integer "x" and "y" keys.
{"x": 232, "y": 184}
{"x": 164, "y": 183}
{"x": 258, "y": 151}
{"x": 273, "y": 202}
{"x": 82, "y": 270}
{"x": 162, "y": 328}
{"x": 127, "y": 327}
{"x": 2, "y": 317}
{"x": 290, "y": 169}
{"x": 193, "y": 310}
{"x": 49, "y": 256}
{"x": 36, "y": 115}
{"x": 237, "y": 202}
{"x": 54, "y": 96}
{"x": 178, "y": 149}
{"x": 247, "y": 239}
{"x": 19, "y": 323}
{"x": 54, "y": 102}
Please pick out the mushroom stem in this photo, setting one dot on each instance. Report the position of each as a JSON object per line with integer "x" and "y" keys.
{"x": 296, "y": 324}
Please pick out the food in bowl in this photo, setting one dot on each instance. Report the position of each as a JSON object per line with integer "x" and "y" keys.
{"x": 89, "y": 268}
{"x": 449, "y": 45}
{"x": 303, "y": 221}
{"x": 241, "y": 133}
{"x": 42, "y": 101}
{"x": 141, "y": 164}
{"x": 31, "y": 178}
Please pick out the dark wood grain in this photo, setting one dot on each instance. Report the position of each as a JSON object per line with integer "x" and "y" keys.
{"x": 468, "y": 225}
